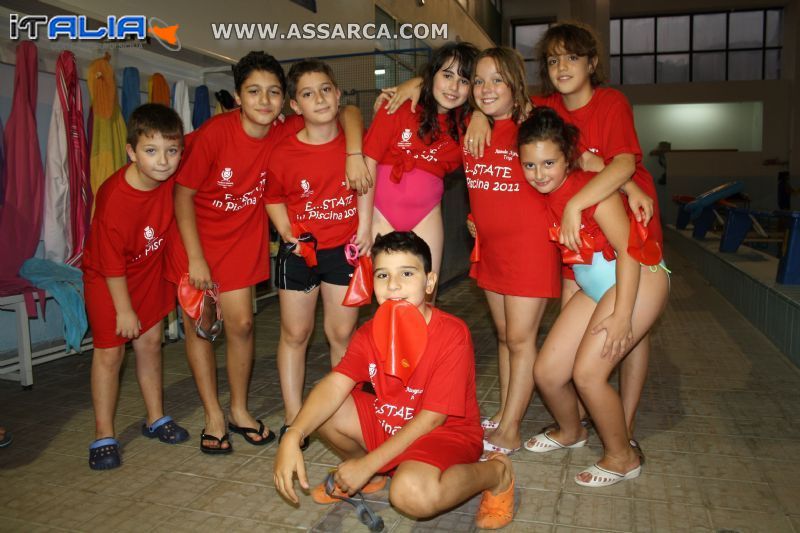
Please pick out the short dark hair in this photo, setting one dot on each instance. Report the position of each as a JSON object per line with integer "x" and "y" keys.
{"x": 404, "y": 241}
{"x": 545, "y": 124}
{"x": 304, "y": 67}
{"x": 575, "y": 38}
{"x": 148, "y": 119}
{"x": 257, "y": 60}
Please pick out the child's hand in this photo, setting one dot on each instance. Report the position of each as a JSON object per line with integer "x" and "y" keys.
{"x": 478, "y": 135}
{"x": 641, "y": 204}
{"x": 472, "y": 229}
{"x": 408, "y": 90}
{"x": 358, "y": 177}
{"x": 591, "y": 162}
{"x": 619, "y": 335}
{"x": 199, "y": 274}
{"x": 128, "y": 325}
{"x": 383, "y": 98}
{"x": 352, "y": 475}
{"x": 364, "y": 240}
{"x": 289, "y": 460}
{"x": 570, "y": 235}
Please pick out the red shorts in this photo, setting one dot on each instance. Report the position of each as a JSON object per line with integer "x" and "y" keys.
{"x": 443, "y": 447}
{"x": 151, "y": 306}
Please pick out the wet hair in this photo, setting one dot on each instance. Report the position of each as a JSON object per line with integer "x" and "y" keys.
{"x": 443, "y": 57}
{"x": 257, "y": 60}
{"x": 404, "y": 241}
{"x": 511, "y": 67}
{"x": 149, "y": 119}
{"x": 545, "y": 124}
{"x": 306, "y": 66}
{"x": 573, "y": 38}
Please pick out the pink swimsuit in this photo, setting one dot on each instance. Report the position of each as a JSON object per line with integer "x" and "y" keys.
{"x": 406, "y": 203}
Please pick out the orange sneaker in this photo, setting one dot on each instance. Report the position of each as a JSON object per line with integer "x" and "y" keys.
{"x": 496, "y": 510}
{"x": 319, "y": 495}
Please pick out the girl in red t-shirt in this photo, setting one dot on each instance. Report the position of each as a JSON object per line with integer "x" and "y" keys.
{"x": 223, "y": 226}
{"x": 518, "y": 266}
{"x": 618, "y": 302}
{"x": 410, "y": 152}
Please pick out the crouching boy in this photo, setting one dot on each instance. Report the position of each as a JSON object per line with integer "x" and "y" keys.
{"x": 424, "y": 432}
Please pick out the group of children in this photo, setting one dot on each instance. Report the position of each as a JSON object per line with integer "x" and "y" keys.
{"x": 543, "y": 176}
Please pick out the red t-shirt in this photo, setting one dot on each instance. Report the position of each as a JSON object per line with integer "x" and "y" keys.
{"x": 517, "y": 257}
{"x": 557, "y": 201}
{"x": 393, "y": 140}
{"x": 607, "y": 129}
{"x": 127, "y": 238}
{"x": 228, "y": 169}
{"x": 310, "y": 180}
{"x": 443, "y": 382}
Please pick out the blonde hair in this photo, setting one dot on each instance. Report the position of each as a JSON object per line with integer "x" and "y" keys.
{"x": 511, "y": 67}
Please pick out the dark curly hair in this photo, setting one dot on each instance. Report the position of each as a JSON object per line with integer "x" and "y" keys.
{"x": 573, "y": 38}
{"x": 464, "y": 54}
{"x": 545, "y": 124}
{"x": 257, "y": 60}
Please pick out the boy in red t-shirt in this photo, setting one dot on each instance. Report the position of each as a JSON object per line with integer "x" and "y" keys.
{"x": 127, "y": 296}
{"x": 423, "y": 430}
{"x": 307, "y": 192}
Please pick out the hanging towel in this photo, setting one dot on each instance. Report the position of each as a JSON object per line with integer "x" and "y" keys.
{"x": 57, "y": 229}
{"x": 131, "y": 97}
{"x": 2, "y": 166}
{"x": 108, "y": 127}
{"x": 65, "y": 284}
{"x": 80, "y": 188}
{"x": 158, "y": 90}
{"x": 202, "y": 107}
{"x": 21, "y": 214}
{"x": 181, "y": 105}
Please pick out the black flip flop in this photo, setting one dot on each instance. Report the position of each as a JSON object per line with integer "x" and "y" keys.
{"x": 246, "y": 432}
{"x": 217, "y": 449}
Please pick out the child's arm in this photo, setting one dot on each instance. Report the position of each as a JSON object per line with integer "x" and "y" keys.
{"x": 479, "y": 132}
{"x": 323, "y": 401}
{"x": 603, "y": 185}
{"x": 640, "y": 203}
{"x": 353, "y": 474}
{"x": 199, "y": 273}
{"x": 396, "y": 96}
{"x": 128, "y": 324}
{"x": 279, "y": 216}
{"x": 358, "y": 178}
{"x": 366, "y": 203}
{"x": 610, "y": 215}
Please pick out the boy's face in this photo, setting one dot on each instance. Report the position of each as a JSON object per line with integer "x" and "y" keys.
{"x": 261, "y": 98}
{"x": 316, "y": 99}
{"x": 155, "y": 157}
{"x": 401, "y": 276}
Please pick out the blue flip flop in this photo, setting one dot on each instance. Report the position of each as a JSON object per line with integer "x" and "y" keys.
{"x": 104, "y": 454}
{"x": 166, "y": 430}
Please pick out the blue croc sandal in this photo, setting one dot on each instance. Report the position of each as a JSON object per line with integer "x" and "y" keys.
{"x": 104, "y": 454}
{"x": 166, "y": 430}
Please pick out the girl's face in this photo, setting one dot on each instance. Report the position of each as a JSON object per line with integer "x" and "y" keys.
{"x": 493, "y": 95}
{"x": 570, "y": 73}
{"x": 544, "y": 164}
{"x": 261, "y": 98}
{"x": 450, "y": 90}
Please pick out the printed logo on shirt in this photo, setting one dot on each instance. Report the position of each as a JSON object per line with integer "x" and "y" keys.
{"x": 508, "y": 155}
{"x": 373, "y": 369}
{"x": 405, "y": 137}
{"x": 307, "y": 190}
{"x": 153, "y": 242}
{"x": 149, "y": 233}
{"x": 226, "y": 175}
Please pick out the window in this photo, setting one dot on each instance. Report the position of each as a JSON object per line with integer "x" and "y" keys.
{"x": 525, "y": 38}
{"x": 737, "y": 45}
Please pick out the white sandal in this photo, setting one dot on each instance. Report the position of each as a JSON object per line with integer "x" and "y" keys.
{"x": 543, "y": 442}
{"x": 604, "y": 478}
{"x": 487, "y": 424}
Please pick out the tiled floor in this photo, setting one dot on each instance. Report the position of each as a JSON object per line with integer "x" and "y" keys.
{"x": 718, "y": 422}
